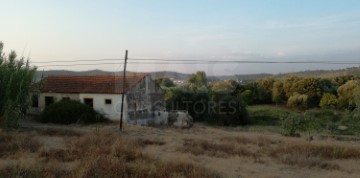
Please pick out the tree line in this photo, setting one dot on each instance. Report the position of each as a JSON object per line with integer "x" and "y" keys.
{"x": 297, "y": 93}
{"x": 303, "y": 92}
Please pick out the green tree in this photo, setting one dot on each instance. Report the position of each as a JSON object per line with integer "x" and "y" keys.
{"x": 266, "y": 87}
{"x": 16, "y": 77}
{"x": 198, "y": 80}
{"x": 278, "y": 92}
{"x": 308, "y": 86}
{"x": 227, "y": 110}
{"x": 164, "y": 82}
{"x": 259, "y": 92}
{"x": 226, "y": 86}
{"x": 327, "y": 86}
{"x": 195, "y": 101}
{"x": 288, "y": 83}
{"x": 328, "y": 100}
{"x": 248, "y": 96}
{"x": 346, "y": 93}
{"x": 299, "y": 101}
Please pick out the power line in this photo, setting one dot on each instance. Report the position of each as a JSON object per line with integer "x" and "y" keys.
{"x": 189, "y": 61}
{"x": 73, "y": 61}
{"x": 69, "y": 65}
{"x": 207, "y": 62}
{"x": 245, "y": 61}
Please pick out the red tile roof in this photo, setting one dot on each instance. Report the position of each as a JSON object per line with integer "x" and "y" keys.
{"x": 106, "y": 84}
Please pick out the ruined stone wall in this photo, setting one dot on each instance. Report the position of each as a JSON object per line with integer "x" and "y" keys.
{"x": 145, "y": 98}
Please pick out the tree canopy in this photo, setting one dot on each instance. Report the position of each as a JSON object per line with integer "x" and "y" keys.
{"x": 16, "y": 77}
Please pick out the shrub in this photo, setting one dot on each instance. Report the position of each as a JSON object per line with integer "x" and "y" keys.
{"x": 292, "y": 125}
{"x": 70, "y": 111}
{"x": 298, "y": 101}
{"x": 328, "y": 101}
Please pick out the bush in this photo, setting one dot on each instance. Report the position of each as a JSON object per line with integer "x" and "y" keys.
{"x": 328, "y": 101}
{"x": 292, "y": 125}
{"x": 310, "y": 121}
{"x": 70, "y": 111}
{"x": 298, "y": 101}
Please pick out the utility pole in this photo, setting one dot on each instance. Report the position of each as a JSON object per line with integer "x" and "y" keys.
{"x": 123, "y": 91}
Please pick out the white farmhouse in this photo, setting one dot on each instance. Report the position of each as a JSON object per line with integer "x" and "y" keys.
{"x": 143, "y": 98}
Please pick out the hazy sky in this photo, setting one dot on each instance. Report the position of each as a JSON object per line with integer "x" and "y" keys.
{"x": 50, "y": 30}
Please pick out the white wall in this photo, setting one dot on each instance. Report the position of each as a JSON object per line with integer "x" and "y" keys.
{"x": 112, "y": 111}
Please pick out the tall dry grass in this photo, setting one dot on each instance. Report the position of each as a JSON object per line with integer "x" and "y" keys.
{"x": 93, "y": 156}
{"x": 204, "y": 147}
{"x": 288, "y": 152}
{"x": 13, "y": 142}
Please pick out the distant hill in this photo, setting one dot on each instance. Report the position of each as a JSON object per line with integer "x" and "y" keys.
{"x": 169, "y": 74}
{"x": 325, "y": 73}
{"x": 237, "y": 77}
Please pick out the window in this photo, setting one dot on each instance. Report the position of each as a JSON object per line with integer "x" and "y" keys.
{"x": 89, "y": 102}
{"x": 49, "y": 100}
{"x": 108, "y": 101}
{"x": 35, "y": 101}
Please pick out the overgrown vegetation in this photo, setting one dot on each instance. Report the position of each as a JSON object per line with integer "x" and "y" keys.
{"x": 69, "y": 112}
{"x": 16, "y": 77}
{"x": 215, "y": 104}
{"x": 319, "y": 98}
{"x": 96, "y": 156}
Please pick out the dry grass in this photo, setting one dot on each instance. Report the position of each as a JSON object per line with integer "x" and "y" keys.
{"x": 200, "y": 147}
{"x": 307, "y": 162}
{"x": 145, "y": 142}
{"x": 302, "y": 154}
{"x": 57, "y": 154}
{"x": 60, "y": 132}
{"x": 38, "y": 170}
{"x": 313, "y": 155}
{"x": 97, "y": 156}
{"x": 128, "y": 155}
{"x": 313, "y": 150}
{"x": 259, "y": 141}
{"x": 12, "y": 143}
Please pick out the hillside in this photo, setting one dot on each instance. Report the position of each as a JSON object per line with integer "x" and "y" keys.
{"x": 238, "y": 77}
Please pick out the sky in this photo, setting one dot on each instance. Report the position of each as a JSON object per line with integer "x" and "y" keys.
{"x": 270, "y": 30}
